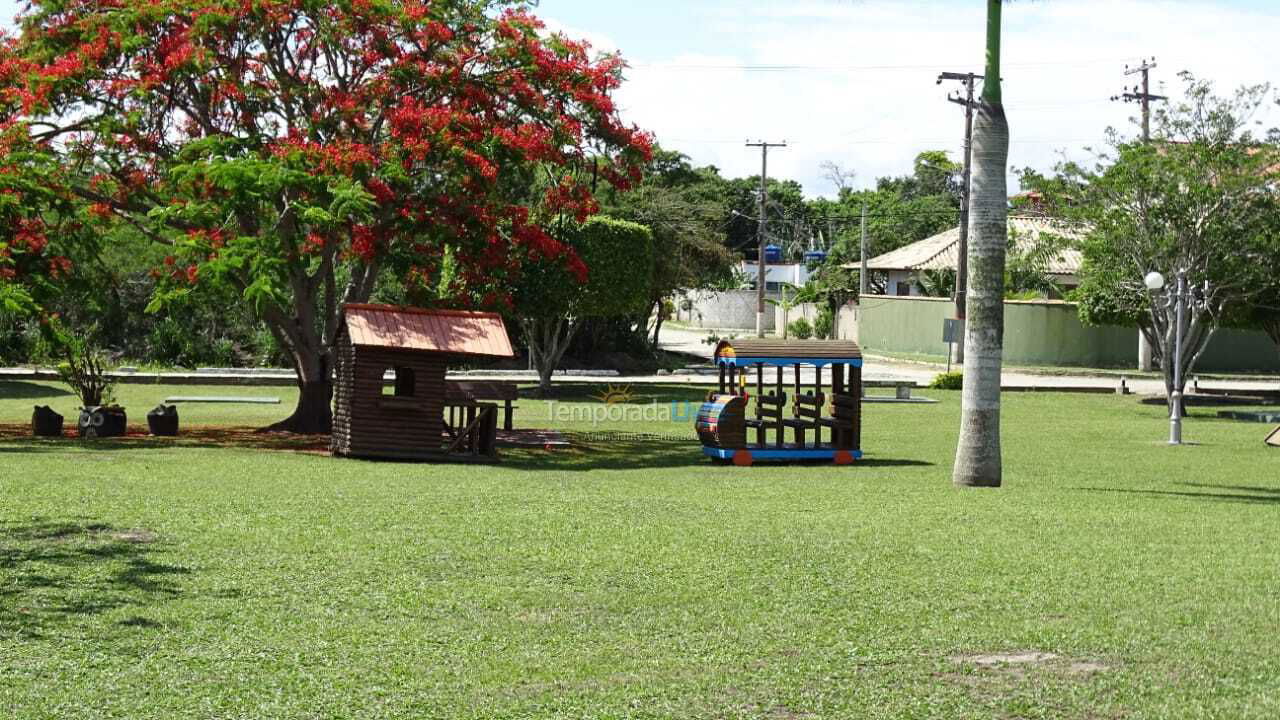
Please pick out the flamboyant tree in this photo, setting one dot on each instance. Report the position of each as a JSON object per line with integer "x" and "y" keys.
{"x": 295, "y": 149}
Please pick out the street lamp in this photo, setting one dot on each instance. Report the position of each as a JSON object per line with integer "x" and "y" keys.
{"x": 1178, "y": 299}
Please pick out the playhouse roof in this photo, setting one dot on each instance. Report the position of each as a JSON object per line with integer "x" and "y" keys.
{"x": 772, "y": 351}
{"x": 450, "y": 332}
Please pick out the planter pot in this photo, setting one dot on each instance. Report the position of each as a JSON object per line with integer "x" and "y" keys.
{"x": 46, "y": 423}
{"x": 163, "y": 421}
{"x": 102, "y": 421}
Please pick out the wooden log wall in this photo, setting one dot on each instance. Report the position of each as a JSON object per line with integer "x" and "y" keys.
{"x": 368, "y": 423}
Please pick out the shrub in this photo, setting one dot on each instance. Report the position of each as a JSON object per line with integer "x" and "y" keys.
{"x": 953, "y": 380}
{"x": 85, "y": 372}
{"x": 800, "y": 329}
{"x": 824, "y": 326}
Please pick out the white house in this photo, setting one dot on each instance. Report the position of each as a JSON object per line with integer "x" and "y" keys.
{"x": 774, "y": 275}
{"x": 902, "y": 266}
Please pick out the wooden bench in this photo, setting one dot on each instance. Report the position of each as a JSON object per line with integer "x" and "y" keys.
{"x": 768, "y": 414}
{"x": 808, "y": 416}
{"x": 902, "y": 388}
{"x": 460, "y": 391}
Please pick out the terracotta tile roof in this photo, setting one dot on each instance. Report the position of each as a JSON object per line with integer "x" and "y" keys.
{"x": 453, "y": 332}
{"x": 939, "y": 252}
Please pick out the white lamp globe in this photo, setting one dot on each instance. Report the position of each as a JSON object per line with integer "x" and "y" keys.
{"x": 1154, "y": 281}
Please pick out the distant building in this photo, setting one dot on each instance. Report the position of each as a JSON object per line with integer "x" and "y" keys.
{"x": 774, "y": 275}
{"x": 901, "y": 268}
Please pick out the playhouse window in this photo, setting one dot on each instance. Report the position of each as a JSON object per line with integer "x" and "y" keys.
{"x": 404, "y": 383}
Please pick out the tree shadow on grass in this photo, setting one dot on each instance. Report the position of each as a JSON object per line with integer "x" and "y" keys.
{"x": 65, "y": 571}
{"x": 609, "y": 451}
{"x": 633, "y": 451}
{"x": 1210, "y": 496}
{"x": 17, "y": 390}
{"x": 640, "y": 394}
{"x": 17, "y": 439}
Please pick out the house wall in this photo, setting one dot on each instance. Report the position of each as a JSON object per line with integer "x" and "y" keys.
{"x": 723, "y": 310}
{"x": 1040, "y": 333}
{"x": 368, "y": 423}
{"x": 899, "y": 283}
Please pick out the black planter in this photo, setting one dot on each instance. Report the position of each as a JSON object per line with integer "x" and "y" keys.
{"x": 102, "y": 422}
{"x": 163, "y": 421}
{"x": 46, "y": 423}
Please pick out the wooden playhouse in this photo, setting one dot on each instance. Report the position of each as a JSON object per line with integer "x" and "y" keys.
{"x": 406, "y": 420}
{"x": 765, "y": 375}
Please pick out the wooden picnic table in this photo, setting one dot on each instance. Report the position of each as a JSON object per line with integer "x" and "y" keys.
{"x": 471, "y": 391}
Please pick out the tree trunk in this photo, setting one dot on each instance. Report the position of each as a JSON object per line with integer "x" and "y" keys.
{"x": 313, "y": 414}
{"x": 657, "y": 327}
{"x": 548, "y": 338}
{"x": 978, "y": 460}
{"x": 1201, "y": 324}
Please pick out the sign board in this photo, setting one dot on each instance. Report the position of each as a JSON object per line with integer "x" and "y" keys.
{"x": 952, "y": 330}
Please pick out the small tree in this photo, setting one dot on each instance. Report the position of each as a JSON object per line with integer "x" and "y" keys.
{"x": 85, "y": 372}
{"x": 1200, "y": 197}
{"x": 611, "y": 279}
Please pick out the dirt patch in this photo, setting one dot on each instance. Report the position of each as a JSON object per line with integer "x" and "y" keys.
{"x": 1013, "y": 658}
{"x": 993, "y": 669}
{"x": 134, "y": 536}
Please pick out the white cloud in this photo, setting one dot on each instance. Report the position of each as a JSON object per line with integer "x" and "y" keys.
{"x": 866, "y": 96}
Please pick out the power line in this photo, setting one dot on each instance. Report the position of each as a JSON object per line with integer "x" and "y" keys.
{"x": 802, "y": 67}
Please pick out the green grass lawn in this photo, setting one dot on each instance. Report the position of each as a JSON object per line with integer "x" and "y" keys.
{"x": 1112, "y": 576}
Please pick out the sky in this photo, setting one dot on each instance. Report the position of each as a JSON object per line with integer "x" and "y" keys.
{"x": 859, "y": 84}
{"x": 853, "y": 81}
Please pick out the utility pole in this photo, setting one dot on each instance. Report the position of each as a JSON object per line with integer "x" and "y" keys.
{"x": 962, "y": 251}
{"x": 760, "y": 228}
{"x": 864, "y": 284}
{"x": 1142, "y": 94}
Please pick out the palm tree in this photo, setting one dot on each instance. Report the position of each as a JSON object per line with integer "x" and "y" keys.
{"x": 978, "y": 454}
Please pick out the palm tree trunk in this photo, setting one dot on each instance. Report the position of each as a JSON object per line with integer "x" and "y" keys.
{"x": 978, "y": 461}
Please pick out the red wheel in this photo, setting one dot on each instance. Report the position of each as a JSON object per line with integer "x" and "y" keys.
{"x": 742, "y": 458}
{"x": 843, "y": 457}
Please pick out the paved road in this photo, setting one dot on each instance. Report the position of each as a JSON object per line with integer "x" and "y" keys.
{"x": 691, "y": 342}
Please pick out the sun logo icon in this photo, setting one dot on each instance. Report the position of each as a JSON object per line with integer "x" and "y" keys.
{"x": 616, "y": 395}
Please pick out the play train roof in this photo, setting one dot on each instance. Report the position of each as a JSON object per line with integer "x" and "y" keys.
{"x": 450, "y": 332}
{"x": 787, "y": 352}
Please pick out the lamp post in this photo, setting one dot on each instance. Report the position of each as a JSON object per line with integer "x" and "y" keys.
{"x": 1178, "y": 299}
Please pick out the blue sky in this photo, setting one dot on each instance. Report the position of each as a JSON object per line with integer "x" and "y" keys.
{"x": 864, "y": 94}
{"x": 860, "y": 90}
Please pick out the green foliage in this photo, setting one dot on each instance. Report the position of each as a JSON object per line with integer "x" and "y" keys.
{"x": 900, "y": 210}
{"x": 1200, "y": 196}
{"x": 685, "y": 209}
{"x": 825, "y": 324}
{"x": 619, "y": 256}
{"x": 800, "y": 329}
{"x": 953, "y": 380}
{"x": 619, "y": 259}
{"x": 936, "y": 283}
